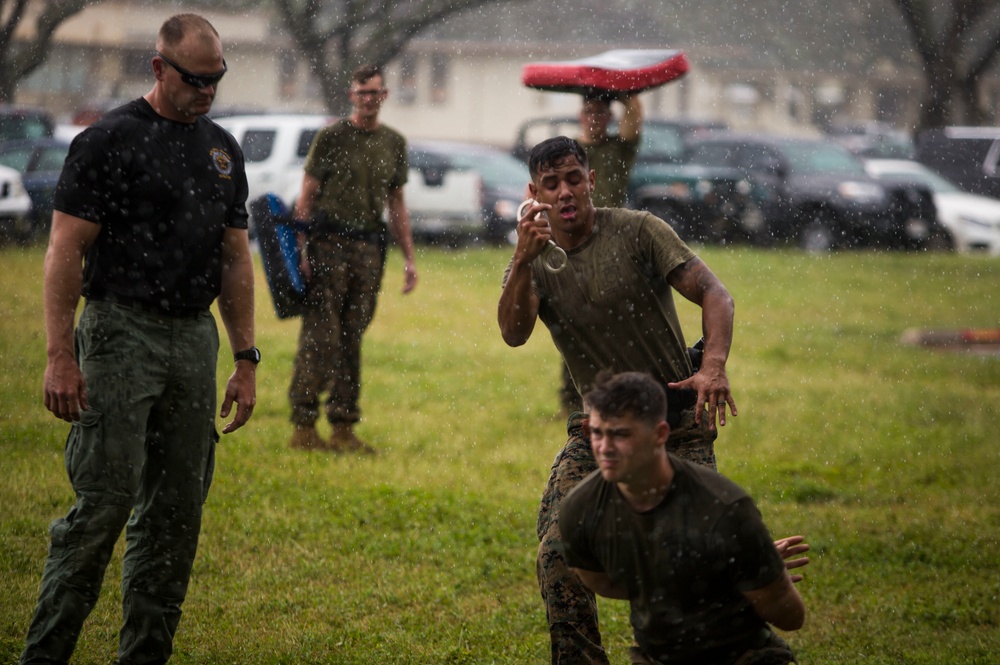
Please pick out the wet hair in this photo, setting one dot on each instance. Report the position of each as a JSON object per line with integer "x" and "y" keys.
{"x": 175, "y": 28}
{"x": 629, "y": 393}
{"x": 365, "y": 73}
{"x": 550, "y": 152}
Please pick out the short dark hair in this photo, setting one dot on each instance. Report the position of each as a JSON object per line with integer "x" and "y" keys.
{"x": 364, "y": 73}
{"x": 628, "y": 393}
{"x": 175, "y": 28}
{"x": 549, "y": 152}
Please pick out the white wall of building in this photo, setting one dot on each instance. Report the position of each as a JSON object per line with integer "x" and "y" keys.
{"x": 440, "y": 90}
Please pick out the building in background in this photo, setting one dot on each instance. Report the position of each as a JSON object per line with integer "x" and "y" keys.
{"x": 467, "y": 88}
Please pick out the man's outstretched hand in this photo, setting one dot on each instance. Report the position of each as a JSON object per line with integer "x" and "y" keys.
{"x": 790, "y": 547}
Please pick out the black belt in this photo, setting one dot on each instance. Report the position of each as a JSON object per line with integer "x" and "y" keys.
{"x": 679, "y": 401}
{"x": 324, "y": 226}
{"x": 135, "y": 305}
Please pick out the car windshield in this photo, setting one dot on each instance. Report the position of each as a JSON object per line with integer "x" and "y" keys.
{"x": 17, "y": 159}
{"x": 661, "y": 143}
{"x": 932, "y": 180}
{"x": 821, "y": 159}
{"x": 14, "y": 127}
{"x": 712, "y": 154}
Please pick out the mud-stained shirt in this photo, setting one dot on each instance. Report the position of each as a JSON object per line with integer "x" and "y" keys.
{"x": 612, "y": 306}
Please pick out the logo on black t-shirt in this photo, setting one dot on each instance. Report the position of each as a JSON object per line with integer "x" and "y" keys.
{"x": 223, "y": 162}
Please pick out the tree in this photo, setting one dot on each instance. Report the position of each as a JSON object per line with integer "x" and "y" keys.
{"x": 335, "y": 36}
{"x": 20, "y": 56}
{"x": 958, "y": 42}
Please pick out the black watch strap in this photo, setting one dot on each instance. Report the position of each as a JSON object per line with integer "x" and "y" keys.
{"x": 252, "y": 354}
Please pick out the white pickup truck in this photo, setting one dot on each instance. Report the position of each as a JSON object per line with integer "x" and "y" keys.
{"x": 274, "y": 148}
{"x": 443, "y": 202}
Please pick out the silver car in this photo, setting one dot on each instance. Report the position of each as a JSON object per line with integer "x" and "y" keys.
{"x": 973, "y": 221}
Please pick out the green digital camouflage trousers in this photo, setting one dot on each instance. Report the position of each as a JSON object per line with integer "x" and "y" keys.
{"x": 570, "y": 607}
{"x": 340, "y": 304}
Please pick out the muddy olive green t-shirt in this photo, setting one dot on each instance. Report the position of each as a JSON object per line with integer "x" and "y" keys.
{"x": 356, "y": 169}
{"x": 611, "y": 161}
{"x": 612, "y": 306}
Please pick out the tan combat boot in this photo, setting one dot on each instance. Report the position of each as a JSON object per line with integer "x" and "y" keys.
{"x": 343, "y": 438}
{"x": 305, "y": 437}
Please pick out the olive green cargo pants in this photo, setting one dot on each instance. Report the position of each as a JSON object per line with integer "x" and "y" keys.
{"x": 140, "y": 458}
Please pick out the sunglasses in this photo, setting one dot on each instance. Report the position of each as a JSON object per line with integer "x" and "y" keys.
{"x": 196, "y": 80}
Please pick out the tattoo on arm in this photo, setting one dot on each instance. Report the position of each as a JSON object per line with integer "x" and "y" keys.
{"x": 693, "y": 279}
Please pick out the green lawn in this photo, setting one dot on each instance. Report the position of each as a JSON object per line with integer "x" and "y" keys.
{"x": 884, "y": 455}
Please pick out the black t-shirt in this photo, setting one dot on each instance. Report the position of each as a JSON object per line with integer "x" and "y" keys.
{"x": 685, "y": 563}
{"x": 164, "y": 193}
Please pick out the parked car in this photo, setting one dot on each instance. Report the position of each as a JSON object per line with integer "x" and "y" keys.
{"x": 15, "y": 208}
{"x": 809, "y": 191}
{"x": 39, "y": 161}
{"x": 700, "y": 202}
{"x": 662, "y": 141}
{"x": 453, "y": 188}
{"x": 972, "y": 221}
{"x": 873, "y": 140}
{"x": 489, "y": 211}
{"x": 19, "y": 122}
{"x": 967, "y": 156}
{"x": 67, "y": 132}
{"x": 274, "y": 146}
{"x": 445, "y": 204}
{"x": 24, "y": 122}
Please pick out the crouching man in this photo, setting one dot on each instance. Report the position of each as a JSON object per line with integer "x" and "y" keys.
{"x": 684, "y": 545}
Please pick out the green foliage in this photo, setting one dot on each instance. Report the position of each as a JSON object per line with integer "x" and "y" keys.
{"x": 882, "y": 454}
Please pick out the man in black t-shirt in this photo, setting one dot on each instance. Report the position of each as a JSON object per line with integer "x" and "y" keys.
{"x": 150, "y": 228}
{"x": 684, "y": 545}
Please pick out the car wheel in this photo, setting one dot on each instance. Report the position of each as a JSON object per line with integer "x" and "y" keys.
{"x": 497, "y": 234}
{"x": 24, "y": 233}
{"x": 818, "y": 235}
{"x": 939, "y": 240}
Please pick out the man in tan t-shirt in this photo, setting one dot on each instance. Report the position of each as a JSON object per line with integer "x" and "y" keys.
{"x": 612, "y": 309}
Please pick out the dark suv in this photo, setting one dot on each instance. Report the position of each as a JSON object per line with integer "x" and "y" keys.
{"x": 24, "y": 122}
{"x": 808, "y": 191}
{"x": 700, "y": 202}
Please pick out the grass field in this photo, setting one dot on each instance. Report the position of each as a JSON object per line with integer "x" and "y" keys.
{"x": 884, "y": 455}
